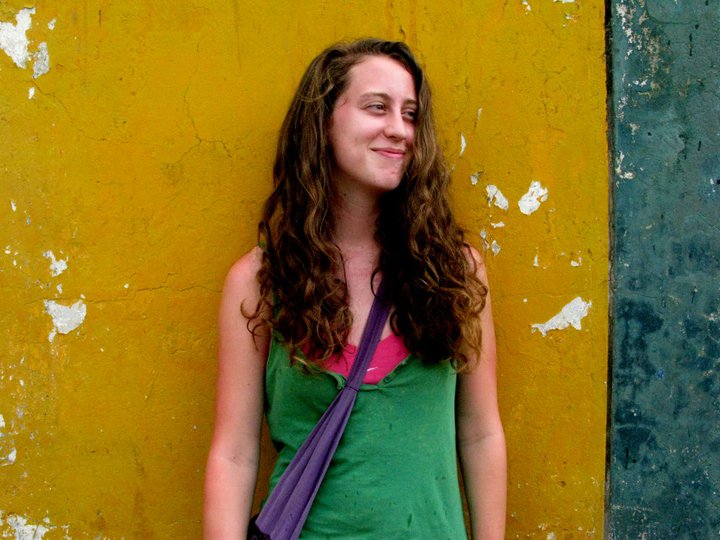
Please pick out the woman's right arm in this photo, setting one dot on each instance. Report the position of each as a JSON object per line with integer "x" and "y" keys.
{"x": 232, "y": 462}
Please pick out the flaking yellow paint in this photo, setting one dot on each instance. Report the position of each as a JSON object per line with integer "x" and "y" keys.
{"x": 142, "y": 159}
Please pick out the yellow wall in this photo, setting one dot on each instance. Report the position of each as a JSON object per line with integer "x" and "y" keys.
{"x": 141, "y": 161}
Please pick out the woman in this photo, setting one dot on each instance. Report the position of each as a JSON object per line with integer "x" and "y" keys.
{"x": 361, "y": 195}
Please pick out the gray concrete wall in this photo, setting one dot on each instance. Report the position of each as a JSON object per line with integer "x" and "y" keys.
{"x": 664, "y": 459}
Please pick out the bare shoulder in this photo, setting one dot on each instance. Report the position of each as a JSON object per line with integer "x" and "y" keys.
{"x": 241, "y": 282}
{"x": 477, "y": 263}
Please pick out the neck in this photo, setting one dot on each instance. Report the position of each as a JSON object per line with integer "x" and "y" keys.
{"x": 356, "y": 224}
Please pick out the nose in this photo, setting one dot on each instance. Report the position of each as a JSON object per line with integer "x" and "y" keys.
{"x": 397, "y": 127}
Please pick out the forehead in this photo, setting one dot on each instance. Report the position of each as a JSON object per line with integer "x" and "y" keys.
{"x": 381, "y": 74}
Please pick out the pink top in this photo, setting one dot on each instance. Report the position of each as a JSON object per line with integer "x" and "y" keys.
{"x": 389, "y": 353}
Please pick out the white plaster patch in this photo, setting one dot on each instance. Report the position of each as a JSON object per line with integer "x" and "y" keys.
{"x": 535, "y": 261}
{"x": 42, "y": 61}
{"x": 65, "y": 318}
{"x": 531, "y": 201}
{"x": 31, "y": 92}
{"x": 495, "y": 248}
{"x": 57, "y": 266}
{"x": 477, "y": 116}
{"x": 59, "y": 288}
{"x": 7, "y": 447}
{"x": 627, "y": 175}
{"x": 483, "y": 235}
{"x": 475, "y": 177}
{"x": 551, "y": 536}
{"x": 51, "y": 24}
{"x": 497, "y": 225}
{"x": 577, "y": 262}
{"x": 570, "y": 315}
{"x": 13, "y": 206}
{"x": 24, "y": 530}
{"x": 463, "y": 144}
{"x": 527, "y": 6}
{"x": 13, "y": 39}
{"x": 564, "y": 1}
{"x": 496, "y": 197}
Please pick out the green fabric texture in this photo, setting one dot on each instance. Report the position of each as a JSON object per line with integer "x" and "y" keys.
{"x": 394, "y": 474}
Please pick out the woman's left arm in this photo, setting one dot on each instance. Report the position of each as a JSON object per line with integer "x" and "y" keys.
{"x": 481, "y": 440}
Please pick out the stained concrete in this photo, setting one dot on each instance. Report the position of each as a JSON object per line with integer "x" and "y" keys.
{"x": 664, "y": 460}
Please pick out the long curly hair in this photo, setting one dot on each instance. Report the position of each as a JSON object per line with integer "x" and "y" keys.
{"x": 428, "y": 271}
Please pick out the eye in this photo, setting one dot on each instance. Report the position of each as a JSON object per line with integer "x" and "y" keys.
{"x": 410, "y": 114}
{"x": 379, "y": 107}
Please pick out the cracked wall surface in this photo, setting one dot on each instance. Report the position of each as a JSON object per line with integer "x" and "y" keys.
{"x": 136, "y": 142}
{"x": 664, "y": 466}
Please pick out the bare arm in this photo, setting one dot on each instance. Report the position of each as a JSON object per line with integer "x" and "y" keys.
{"x": 232, "y": 462}
{"x": 481, "y": 441}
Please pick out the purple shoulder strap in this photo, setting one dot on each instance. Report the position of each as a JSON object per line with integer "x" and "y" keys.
{"x": 286, "y": 509}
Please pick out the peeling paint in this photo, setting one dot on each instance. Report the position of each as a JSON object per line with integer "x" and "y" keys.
{"x": 42, "y": 61}
{"x": 627, "y": 175}
{"x": 13, "y": 39}
{"x": 531, "y": 201}
{"x": 474, "y": 178}
{"x": 31, "y": 92}
{"x": 495, "y": 247}
{"x": 65, "y": 318}
{"x": 570, "y": 315}
{"x": 496, "y": 197}
{"x": 23, "y": 530}
{"x": 497, "y": 225}
{"x": 57, "y": 266}
{"x": 463, "y": 144}
{"x": 483, "y": 235}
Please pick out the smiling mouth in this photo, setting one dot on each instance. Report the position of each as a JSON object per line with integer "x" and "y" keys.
{"x": 392, "y": 153}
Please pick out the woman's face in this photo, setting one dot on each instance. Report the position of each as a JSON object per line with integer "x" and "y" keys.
{"x": 372, "y": 128}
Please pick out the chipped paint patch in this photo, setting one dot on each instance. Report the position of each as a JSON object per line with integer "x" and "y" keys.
{"x": 496, "y": 197}
{"x": 42, "y": 61}
{"x": 528, "y": 7}
{"x": 14, "y": 42}
{"x": 51, "y": 24}
{"x": 463, "y": 144}
{"x": 9, "y": 453}
{"x": 535, "y": 261}
{"x": 13, "y": 206}
{"x": 531, "y": 201}
{"x": 483, "y": 235}
{"x": 13, "y": 39}
{"x": 65, "y": 318}
{"x": 31, "y": 92}
{"x": 627, "y": 175}
{"x": 23, "y": 530}
{"x": 474, "y": 178}
{"x": 577, "y": 262}
{"x": 57, "y": 266}
{"x": 495, "y": 247}
{"x": 570, "y": 315}
{"x": 497, "y": 225}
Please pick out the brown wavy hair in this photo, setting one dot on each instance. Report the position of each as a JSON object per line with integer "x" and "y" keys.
{"x": 426, "y": 265}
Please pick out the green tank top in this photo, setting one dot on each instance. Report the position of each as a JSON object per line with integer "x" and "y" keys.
{"x": 394, "y": 474}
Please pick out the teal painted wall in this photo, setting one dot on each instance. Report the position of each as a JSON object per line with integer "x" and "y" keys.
{"x": 664, "y": 459}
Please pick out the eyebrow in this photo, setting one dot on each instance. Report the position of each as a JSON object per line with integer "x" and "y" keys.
{"x": 387, "y": 97}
